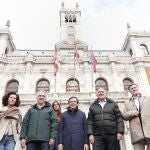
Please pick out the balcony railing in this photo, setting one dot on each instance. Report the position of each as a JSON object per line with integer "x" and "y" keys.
{"x": 63, "y": 97}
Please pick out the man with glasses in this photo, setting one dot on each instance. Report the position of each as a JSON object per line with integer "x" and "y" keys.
{"x": 136, "y": 111}
{"x": 39, "y": 125}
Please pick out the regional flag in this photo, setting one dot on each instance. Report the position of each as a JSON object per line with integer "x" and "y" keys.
{"x": 94, "y": 61}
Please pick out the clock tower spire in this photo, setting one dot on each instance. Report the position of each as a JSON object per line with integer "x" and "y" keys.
{"x": 70, "y": 21}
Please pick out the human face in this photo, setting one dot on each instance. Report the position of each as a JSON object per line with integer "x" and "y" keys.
{"x": 56, "y": 106}
{"x": 41, "y": 97}
{"x": 101, "y": 94}
{"x": 12, "y": 100}
{"x": 134, "y": 90}
{"x": 73, "y": 103}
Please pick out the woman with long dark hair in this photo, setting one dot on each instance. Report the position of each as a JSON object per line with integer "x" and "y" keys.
{"x": 10, "y": 121}
{"x": 57, "y": 108}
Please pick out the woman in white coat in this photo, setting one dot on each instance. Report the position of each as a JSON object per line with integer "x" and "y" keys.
{"x": 10, "y": 121}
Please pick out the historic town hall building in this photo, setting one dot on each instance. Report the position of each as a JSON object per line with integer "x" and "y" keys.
{"x": 69, "y": 69}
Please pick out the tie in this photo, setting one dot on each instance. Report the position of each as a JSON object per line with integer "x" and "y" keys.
{"x": 139, "y": 104}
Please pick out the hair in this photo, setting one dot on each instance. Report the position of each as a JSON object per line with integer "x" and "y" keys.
{"x": 101, "y": 87}
{"x": 41, "y": 91}
{"x": 59, "y": 111}
{"x": 131, "y": 85}
{"x": 6, "y": 96}
{"x": 72, "y": 98}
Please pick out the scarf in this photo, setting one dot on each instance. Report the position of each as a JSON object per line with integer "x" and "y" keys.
{"x": 12, "y": 113}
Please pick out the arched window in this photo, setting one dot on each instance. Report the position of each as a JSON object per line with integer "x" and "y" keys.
{"x": 12, "y": 86}
{"x": 6, "y": 51}
{"x": 66, "y": 18}
{"x": 70, "y": 18}
{"x": 131, "y": 53}
{"x": 126, "y": 83}
{"x": 43, "y": 84}
{"x": 72, "y": 85}
{"x": 145, "y": 49}
{"x": 74, "y": 18}
{"x": 100, "y": 82}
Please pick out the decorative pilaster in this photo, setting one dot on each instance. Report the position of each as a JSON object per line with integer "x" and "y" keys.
{"x": 29, "y": 64}
{"x": 142, "y": 78}
{"x": 115, "y": 79}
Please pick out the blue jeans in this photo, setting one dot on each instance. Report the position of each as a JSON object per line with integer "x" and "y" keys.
{"x": 38, "y": 145}
{"x": 7, "y": 142}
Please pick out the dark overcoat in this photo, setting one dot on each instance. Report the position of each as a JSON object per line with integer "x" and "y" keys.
{"x": 73, "y": 130}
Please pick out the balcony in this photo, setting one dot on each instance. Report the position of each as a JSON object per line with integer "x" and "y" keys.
{"x": 63, "y": 97}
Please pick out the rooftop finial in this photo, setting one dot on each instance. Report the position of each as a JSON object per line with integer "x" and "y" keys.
{"x": 8, "y": 23}
{"x": 77, "y": 5}
{"x": 128, "y": 26}
{"x": 62, "y": 4}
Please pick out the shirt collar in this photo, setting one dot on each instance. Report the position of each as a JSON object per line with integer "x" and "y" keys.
{"x": 135, "y": 97}
{"x": 102, "y": 101}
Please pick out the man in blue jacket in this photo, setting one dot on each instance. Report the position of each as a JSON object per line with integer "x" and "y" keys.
{"x": 73, "y": 128}
{"x": 39, "y": 125}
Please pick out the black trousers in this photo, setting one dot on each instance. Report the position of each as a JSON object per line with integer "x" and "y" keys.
{"x": 106, "y": 142}
{"x": 38, "y": 145}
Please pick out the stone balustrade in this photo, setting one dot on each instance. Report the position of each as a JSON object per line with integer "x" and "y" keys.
{"x": 63, "y": 97}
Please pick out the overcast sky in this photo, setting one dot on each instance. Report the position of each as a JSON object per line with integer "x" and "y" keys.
{"x": 34, "y": 24}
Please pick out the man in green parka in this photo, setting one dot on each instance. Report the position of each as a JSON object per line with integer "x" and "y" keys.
{"x": 39, "y": 126}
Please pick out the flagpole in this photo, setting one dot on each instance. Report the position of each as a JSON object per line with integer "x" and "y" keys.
{"x": 92, "y": 68}
{"x": 94, "y": 63}
{"x": 55, "y": 67}
{"x": 74, "y": 61}
{"x": 55, "y": 83}
{"x": 55, "y": 73}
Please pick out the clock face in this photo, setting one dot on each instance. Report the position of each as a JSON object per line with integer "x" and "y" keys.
{"x": 70, "y": 30}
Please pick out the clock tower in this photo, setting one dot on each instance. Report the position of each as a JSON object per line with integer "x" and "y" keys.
{"x": 70, "y": 34}
{"x": 70, "y": 21}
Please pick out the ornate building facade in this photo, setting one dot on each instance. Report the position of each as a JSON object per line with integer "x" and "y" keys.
{"x": 27, "y": 71}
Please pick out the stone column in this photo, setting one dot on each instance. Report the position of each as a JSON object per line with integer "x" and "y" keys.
{"x": 88, "y": 78}
{"x": 1, "y": 79}
{"x": 112, "y": 61}
{"x": 142, "y": 78}
{"x": 27, "y": 81}
{"x": 3, "y": 43}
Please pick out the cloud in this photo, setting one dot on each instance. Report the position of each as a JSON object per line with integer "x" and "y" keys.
{"x": 34, "y": 24}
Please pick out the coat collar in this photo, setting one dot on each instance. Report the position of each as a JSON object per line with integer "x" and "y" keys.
{"x": 141, "y": 100}
{"x": 108, "y": 100}
{"x": 47, "y": 104}
{"x": 139, "y": 95}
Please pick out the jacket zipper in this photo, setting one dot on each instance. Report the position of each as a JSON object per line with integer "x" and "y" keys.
{"x": 37, "y": 121}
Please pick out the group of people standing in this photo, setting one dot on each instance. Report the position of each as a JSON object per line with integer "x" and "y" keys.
{"x": 45, "y": 127}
